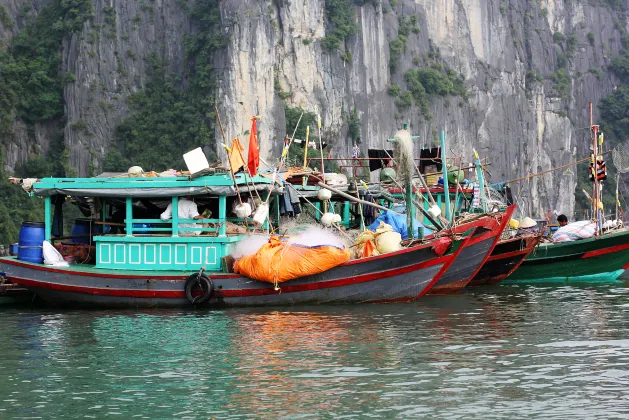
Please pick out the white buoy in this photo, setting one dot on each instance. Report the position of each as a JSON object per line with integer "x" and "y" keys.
{"x": 262, "y": 212}
{"x": 243, "y": 210}
{"x": 324, "y": 194}
{"x": 434, "y": 211}
{"x": 328, "y": 219}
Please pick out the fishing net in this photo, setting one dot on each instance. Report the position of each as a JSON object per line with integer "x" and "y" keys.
{"x": 495, "y": 199}
{"x": 620, "y": 156}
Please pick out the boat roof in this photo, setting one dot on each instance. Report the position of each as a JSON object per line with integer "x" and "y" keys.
{"x": 215, "y": 184}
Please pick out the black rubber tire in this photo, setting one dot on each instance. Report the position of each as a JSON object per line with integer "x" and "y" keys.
{"x": 200, "y": 281}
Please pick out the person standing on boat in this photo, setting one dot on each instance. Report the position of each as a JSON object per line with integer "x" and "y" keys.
{"x": 562, "y": 220}
{"x": 186, "y": 209}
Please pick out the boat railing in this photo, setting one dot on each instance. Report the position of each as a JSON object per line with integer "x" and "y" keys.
{"x": 218, "y": 225}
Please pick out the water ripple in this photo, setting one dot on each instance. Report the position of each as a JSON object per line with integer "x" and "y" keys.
{"x": 499, "y": 352}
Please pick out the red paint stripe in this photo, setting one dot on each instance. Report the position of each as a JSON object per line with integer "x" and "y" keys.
{"x": 509, "y": 254}
{"x": 229, "y": 293}
{"x": 604, "y": 251}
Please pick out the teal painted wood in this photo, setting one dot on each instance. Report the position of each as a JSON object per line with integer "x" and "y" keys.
{"x": 346, "y": 215}
{"x": 129, "y": 216}
{"x": 109, "y": 183}
{"x": 47, "y": 219}
{"x": 175, "y": 215}
{"x": 222, "y": 213}
{"x": 445, "y": 175}
{"x": 152, "y": 254}
{"x": 599, "y": 258}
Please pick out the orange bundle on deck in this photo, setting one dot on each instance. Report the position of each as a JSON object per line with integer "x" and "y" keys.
{"x": 277, "y": 261}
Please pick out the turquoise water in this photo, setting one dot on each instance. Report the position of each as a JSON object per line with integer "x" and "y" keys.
{"x": 504, "y": 352}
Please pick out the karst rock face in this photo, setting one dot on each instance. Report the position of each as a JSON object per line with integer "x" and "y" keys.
{"x": 505, "y": 51}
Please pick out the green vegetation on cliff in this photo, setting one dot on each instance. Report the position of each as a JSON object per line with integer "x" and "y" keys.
{"x": 31, "y": 89}
{"x": 170, "y": 119}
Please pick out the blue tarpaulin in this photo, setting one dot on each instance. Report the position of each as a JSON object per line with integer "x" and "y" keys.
{"x": 398, "y": 223}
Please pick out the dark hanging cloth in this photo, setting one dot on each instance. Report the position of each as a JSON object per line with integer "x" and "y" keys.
{"x": 294, "y": 200}
{"x": 289, "y": 203}
{"x": 381, "y": 155}
{"x": 369, "y": 212}
{"x": 57, "y": 219}
{"x": 430, "y": 157}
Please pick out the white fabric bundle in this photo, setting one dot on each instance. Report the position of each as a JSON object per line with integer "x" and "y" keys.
{"x": 52, "y": 256}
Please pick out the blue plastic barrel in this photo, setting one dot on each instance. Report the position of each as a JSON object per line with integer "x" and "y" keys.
{"x": 84, "y": 226}
{"x": 138, "y": 228}
{"x": 31, "y": 239}
{"x": 13, "y": 249}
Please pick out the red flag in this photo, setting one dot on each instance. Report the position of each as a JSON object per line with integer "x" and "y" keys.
{"x": 253, "y": 159}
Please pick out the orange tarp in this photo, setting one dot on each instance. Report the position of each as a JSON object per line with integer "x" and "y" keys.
{"x": 277, "y": 262}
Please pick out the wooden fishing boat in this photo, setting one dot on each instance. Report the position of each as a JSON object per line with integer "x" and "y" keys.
{"x": 599, "y": 259}
{"x": 505, "y": 259}
{"x": 474, "y": 255}
{"x": 153, "y": 266}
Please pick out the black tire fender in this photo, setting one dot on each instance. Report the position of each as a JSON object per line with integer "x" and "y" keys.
{"x": 198, "y": 282}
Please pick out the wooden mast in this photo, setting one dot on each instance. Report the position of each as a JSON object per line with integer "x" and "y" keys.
{"x": 596, "y": 195}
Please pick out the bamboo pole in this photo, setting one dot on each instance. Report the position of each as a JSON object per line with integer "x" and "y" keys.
{"x": 320, "y": 144}
{"x": 352, "y": 198}
{"x": 290, "y": 142}
{"x": 524, "y": 178}
{"x": 303, "y": 183}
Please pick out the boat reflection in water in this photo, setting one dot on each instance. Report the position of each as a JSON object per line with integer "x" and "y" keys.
{"x": 281, "y": 352}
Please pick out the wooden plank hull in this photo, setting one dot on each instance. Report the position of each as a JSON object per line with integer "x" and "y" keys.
{"x": 506, "y": 257}
{"x": 401, "y": 276}
{"x": 599, "y": 259}
{"x": 397, "y": 277}
{"x": 474, "y": 255}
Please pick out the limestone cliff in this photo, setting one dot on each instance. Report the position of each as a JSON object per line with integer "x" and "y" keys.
{"x": 519, "y": 111}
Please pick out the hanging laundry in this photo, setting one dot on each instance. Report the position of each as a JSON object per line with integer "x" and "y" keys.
{"x": 289, "y": 203}
{"x": 381, "y": 155}
{"x": 355, "y": 152}
{"x": 369, "y": 212}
